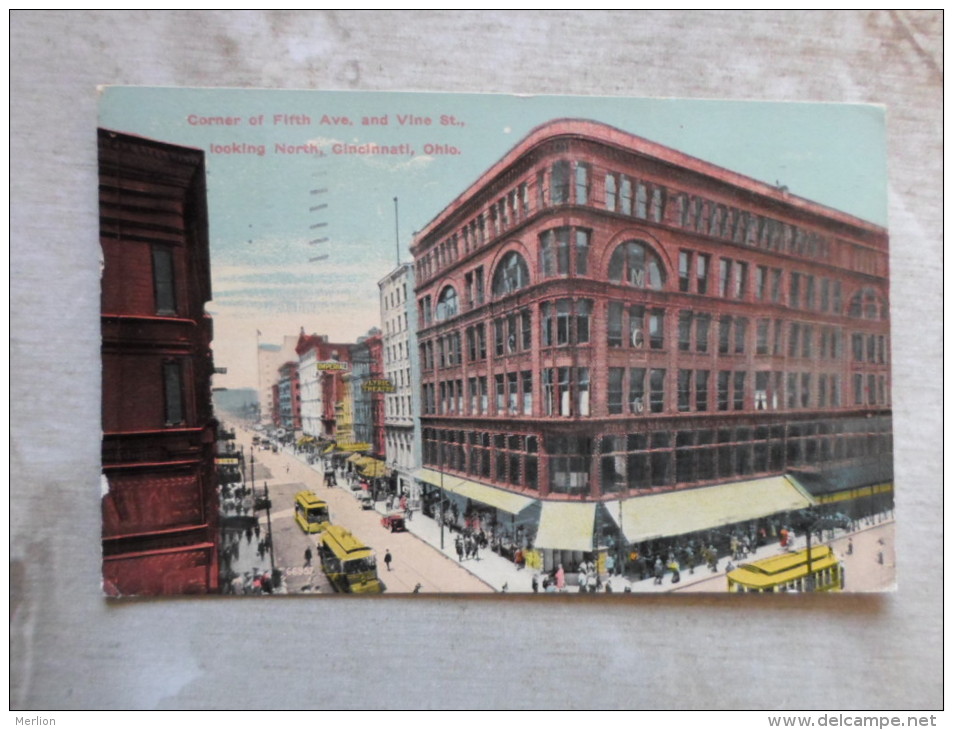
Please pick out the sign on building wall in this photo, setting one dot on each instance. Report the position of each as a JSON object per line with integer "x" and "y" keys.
{"x": 653, "y": 341}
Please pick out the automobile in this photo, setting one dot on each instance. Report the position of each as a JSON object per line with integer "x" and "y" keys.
{"x": 367, "y": 501}
{"x": 394, "y": 522}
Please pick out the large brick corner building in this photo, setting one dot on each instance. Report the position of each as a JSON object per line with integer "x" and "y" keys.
{"x": 621, "y": 343}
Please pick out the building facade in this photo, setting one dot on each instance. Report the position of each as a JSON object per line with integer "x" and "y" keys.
{"x": 401, "y": 369}
{"x": 289, "y": 397}
{"x": 604, "y": 322}
{"x": 160, "y": 512}
{"x": 367, "y": 371}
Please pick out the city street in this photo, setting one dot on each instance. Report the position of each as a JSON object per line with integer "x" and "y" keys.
{"x": 414, "y": 561}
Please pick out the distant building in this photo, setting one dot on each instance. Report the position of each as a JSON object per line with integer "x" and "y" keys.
{"x": 620, "y": 343}
{"x": 401, "y": 369}
{"x": 367, "y": 372}
{"x": 289, "y": 397}
{"x": 320, "y": 366}
{"x": 160, "y": 527}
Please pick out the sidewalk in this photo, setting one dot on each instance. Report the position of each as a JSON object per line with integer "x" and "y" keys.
{"x": 503, "y": 575}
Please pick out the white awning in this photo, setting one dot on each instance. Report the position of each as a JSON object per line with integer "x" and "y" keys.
{"x": 683, "y": 511}
{"x": 566, "y": 526}
{"x": 501, "y": 499}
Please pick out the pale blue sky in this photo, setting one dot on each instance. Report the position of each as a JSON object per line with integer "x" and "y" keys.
{"x": 260, "y": 222}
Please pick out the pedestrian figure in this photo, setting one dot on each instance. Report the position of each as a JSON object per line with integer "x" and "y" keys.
{"x": 307, "y": 557}
{"x": 458, "y": 543}
{"x": 659, "y": 571}
{"x": 257, "y": 531}
{"x": 560, "y": 578}
{"x": 388, "y": 558}
{"x": 850, "y": 546}
{"x": 535, "y": 583}
{"x": 248, "y": 535}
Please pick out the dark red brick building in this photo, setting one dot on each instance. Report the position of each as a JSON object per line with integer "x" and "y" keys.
{"x": 160, "y": 512}
{"x": 605, "y": 322}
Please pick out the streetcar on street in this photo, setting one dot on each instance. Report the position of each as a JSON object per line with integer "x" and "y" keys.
{"x": 348, "y": 563}
{"x": 795, "y": 572}
{"x": 311, "y": 513}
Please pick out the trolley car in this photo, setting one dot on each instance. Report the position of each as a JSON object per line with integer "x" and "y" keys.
{"x": 795, "y": 572}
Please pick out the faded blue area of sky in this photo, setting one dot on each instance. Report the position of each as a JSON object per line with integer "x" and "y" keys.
{"x": 265, "y": 210}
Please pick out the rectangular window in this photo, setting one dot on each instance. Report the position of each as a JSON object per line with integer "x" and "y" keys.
{"x": 582, "y": 252}
{"x": 641, "y": 200}
{"x": 701, "y": 273}
{"x": 582, "y": 391}
{"x": 657, "y": 390}
{"x": 583, "y": 311}
{"x": 548, "y": 391}
{"x": 741, "y": 279}
{"x": 777, "y": 349}
{"x": 684, "y": 390}
{"x": 825, "y": 294}
{"x": 163, "y": 279}
{"x": 174, "y": 401}
{"x": 794, "y": 295}
{"x": 637, "y": 326}
{"x": 614, "y": 329}
{"x": 807, "y": 341}
{"x": 512, "y": 334}
{"x": 809, "y": 292}
{"x": 684, "y": 270}
{"x": 776, "y": 278}
{"x": 761, "y": 346}
{"x": 761, "y": 382}
{"x": 484, "y": 395}
{"x": 559, "y": 182}
{"x": 610, "y": 191}
{"x": 636, "y": 390}
{"x": 794, "y": 336}
{"x": 702, "y": 329}
{"x": 760, "y": 281}
{"x": 541, "y": 189}
{"x": 499, "y": 336}
{"x": 657, "y": 204}
{"x": 792, "y": 390}
{"x": 564, "y": 392}
{"x": 526, "y": 324}
{"x": 582, "y": 183}
{"x": 741, "y": 334}
{"x": 527, "y": 382}
{"x": 739, "y": 394}
{"x": 724, "y": 380}
{"x": 563, "y": 312}
{"x": 838, "y": 304}
{"x": 626, "y": 195}
{"x": 500, "y": 394}
{"x": 724, "y": 335}
{"x": 724, "y": 277}
{"x": 512, "y": 390}
{"x": 562, "y": 250}
{"x": 701, "y": 390}
{"x": 474, "y": 395}
{"x": 657, "y": 329}
{"x": 615, "y": 390}
{"x": 805, "y": 390}
{"x": 684, "y": 330}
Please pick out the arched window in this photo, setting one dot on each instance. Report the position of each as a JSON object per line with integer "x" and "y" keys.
{"x": 635, "y": 264}
{"x": 511, "y": 274}
{"x": 447, "y": 304}
{"x": 867, "y": 304}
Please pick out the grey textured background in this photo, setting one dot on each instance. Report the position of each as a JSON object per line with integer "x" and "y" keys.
{"x": 70, "y": 649}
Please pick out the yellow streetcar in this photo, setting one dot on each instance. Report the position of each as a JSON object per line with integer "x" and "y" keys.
{"x": 792, "y": 572}
{"x": 311, "y": 513}
{"x": 348, "y": 563}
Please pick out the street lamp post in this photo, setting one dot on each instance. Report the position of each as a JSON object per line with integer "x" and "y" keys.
{"x": 441, "y": 509}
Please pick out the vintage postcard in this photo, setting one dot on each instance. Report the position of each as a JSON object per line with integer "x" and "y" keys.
{"x": 381, "y": 343}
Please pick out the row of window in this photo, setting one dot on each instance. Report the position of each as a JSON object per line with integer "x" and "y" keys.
{"x": 640, "y": 461}
{"x": 570, "y": 182}
{"x": 567, "y": 391}
{"x": 569, "y": 322}
{"x": 565, "y": 252}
